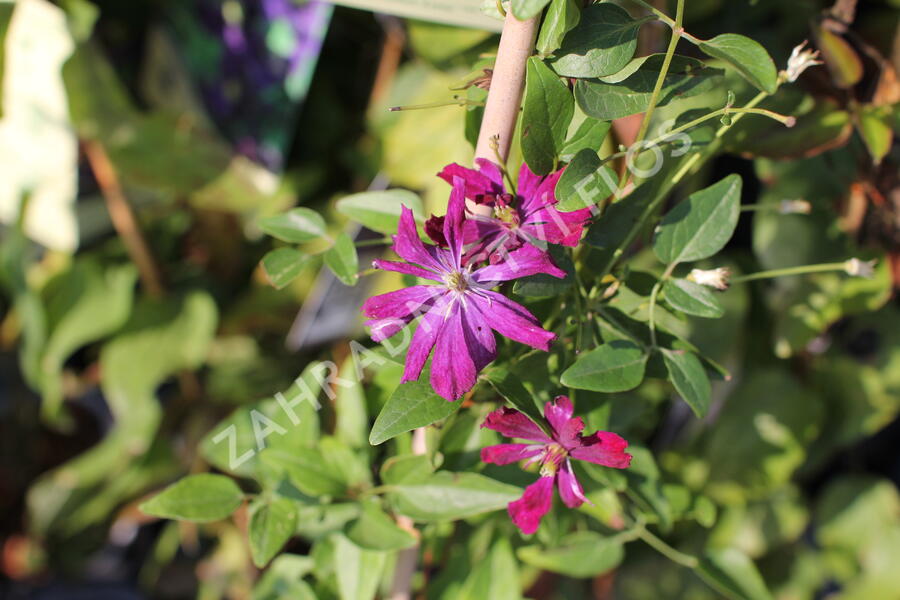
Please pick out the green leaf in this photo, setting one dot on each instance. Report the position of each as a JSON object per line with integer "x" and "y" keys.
{"x": 380, "y": 211}
{"x": 689, "y": 378}
{"x": 542, "y": 285}
{"x": 590, "y": 134}
{"x": 561, "y": 17}
{"x": 876, "y": 132}
{"x": 199, "y": 498}
{"x": 83, "y": 304}
{"x": 273, "y": 522}
{"x": 526, "y": 9}
{"x": 411, "y": 468}
{"x": 731, "y": 573}
{"x": 614, "y": 367}
{"x": 413, "y": 404}
{"x": 283, "y": 265}
{"x": 612, "y": 98}
{"x": 307, "y": 469}
{"x": 602, "y": 43}
{"x": 284, "y": 579}
{"x": 296, "y": 226}
{"x": 547, "y": 111}
{"x": 585, "y": 182}
{"x": 375, "y": 530}
{"x": 701, "y": 225}
{"x": 509, "y": 386}
{"x": 448, "y": 496}
{"x": 747, "y": 56}
{"x": 358, "y": 571}
{"x": 692, "y": 299}
{"x": 495, "y": 577}
{"x": 609, "y": 232}
{"x": 342, "y": 259}
{"x": 581, "y": 554}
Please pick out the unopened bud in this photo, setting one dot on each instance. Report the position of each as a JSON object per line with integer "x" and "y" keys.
{"x": 714, "y": 278}
{"x": 794, "y": 207}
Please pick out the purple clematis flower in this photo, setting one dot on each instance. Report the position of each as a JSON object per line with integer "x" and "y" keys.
{"x": 554, "y": 453}
{"x": 458, "y": 310}
{"x": 529, "y": 218}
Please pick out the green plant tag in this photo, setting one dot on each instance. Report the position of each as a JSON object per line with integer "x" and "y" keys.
{"x": 465, "y": 13}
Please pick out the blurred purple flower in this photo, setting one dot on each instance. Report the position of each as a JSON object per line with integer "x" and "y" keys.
{"x": 459, "y": 312}
{"x": 554, "y": 453}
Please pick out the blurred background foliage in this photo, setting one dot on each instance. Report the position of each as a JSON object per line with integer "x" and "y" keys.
{"x": 141, "y": 143}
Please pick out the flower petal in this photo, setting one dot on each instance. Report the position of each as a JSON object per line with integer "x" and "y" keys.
{"x": 408, "y": 269}
{"x": 569, "y": 488}
{"x": 409, "y": 246}
{"x": 528, "y": 184}
{"x": 525, "y": 261}
{"x": 504, "y": 454}
{"x": 555, "y": 227}
{"x": 558, "y": 412}
{"x": 514, "y": 424}
{"x": 400, "y": 303}
{"x": 454, "y": 221}
{"x": 458, "y": 355}
{"x": 382, "y": 329}
{"x": 544, "y": 194}
{"x": 526, "y": 512}
{"x": 512, "y": 320}
{"x": 423, "y": 340}
{"x": 603, "y": 448}
{"x": 487, "y": 180}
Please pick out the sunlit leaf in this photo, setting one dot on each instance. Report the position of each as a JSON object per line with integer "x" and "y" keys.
{"x": 283, "y": 265}
{"x": 380, "y": 211}
{"x": 343, "y": 260}
{"x": 601, "y": 44}
{"x": 547, "y": 110}
{"x": 614, "y": 367}
{"x": 747, "y": 56}
{"x": 689, "y": 378}
{"x": 273, "y": 522}
{"x": 198, "y": 498}
{"x": 296, "y": 226}
{"x": 692, "y": 299}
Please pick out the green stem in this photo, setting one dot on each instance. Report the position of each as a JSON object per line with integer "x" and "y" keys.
{"x": 657, "y": 88}
{"x": 666, "y": 550}
{"x": 801, "y": 270}
{"x": 652, "y": 309}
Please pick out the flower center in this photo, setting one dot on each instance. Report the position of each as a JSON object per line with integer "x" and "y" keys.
{"x": 457, "y": 281}
{"x": 504, "y": 211}
{"x": 553, "y": 457}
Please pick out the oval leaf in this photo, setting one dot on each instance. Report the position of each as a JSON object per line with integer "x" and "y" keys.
{"x": 732, "y": 573}
{"x": 689, "y": 378}
{"x": 701, "y": 225}
{"x": 602, "y": 43}
{"x": 413, "y": 404}
{"x": 380, "y": 211}
{"x": 283, "y": 265}
{"x": 546, "y": 113}
{"x": 582, "y": 554}
{"x": 296, "y": 226}
{"x": 198, "y": 498}
{"x": 307, "y": 469}
{"x": 374, "y": 530}
{"x": 526, "y": 9}
{"x": 614, "y": 367}
{"x": 692, "y": 299}
{"x": 561, "y": 17}
{"x": 272, "y": 523}
{"x": 343, "y": 260}
{"x": 447, "y": 496}
{"x": 629, "y": 91}
{"x": 747, "y": 56}
{"x": 585, "y": 182}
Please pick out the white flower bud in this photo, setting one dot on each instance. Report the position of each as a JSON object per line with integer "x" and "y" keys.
{"x": 794, "y": 207}
{"x": 800, "y": 60}
{"x": 860, "y": 268}
{"x": 714, "y": 278}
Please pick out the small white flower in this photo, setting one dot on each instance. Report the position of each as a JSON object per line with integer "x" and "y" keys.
{"x": 860, "y": 268}
{"x": 714, "y": 278}
{"x": 794, "y": 207}
{"x": 800, "y": 60}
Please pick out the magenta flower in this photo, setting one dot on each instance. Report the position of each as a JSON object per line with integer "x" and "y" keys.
{"x": 459, "y": 310}
{"x": 529, "y": 218}
{"x": 554, "y": 453}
